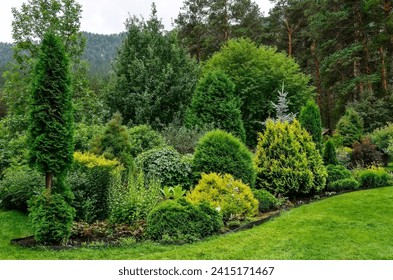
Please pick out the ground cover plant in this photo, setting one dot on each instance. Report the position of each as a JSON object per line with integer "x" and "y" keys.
{"x": 354, "y": 225}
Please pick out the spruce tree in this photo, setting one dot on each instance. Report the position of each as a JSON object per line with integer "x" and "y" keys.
{"x": 310, "y": 119}
{"x": 214, "y": 102}
{"x": 51, "y": 119}
{"x": 350, "y": 127}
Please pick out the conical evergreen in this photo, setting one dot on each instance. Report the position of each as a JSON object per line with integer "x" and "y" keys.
{"x": 310, "y": 119}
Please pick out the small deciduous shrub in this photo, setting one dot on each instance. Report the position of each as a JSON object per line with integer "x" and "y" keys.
{"x": 166, "y": 165}
{"x": 365, "y": 154}
{"x": 178, "y": 221}
{"x": 340, "y": 178}
{"x": 18, "y": 185}
{"x": 51, "y": 218}
{"x": 90, "y": 179}
{"x": 266, "y": 200}
{"x": 233, "y": 198}
{"x": 373, "y": 178}
{"x": 219, "y": 151}
{"x": 144, "y": 138}
{"x": 288, "y": 162}
{"x": 132, "y": 202}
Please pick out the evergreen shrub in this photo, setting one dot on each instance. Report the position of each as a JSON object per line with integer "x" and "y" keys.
{"x": 338, "y": 176}
{"x": 219, "y": 151}
{"x": 373, "y": 178}
{"x": 214, "y": 103}
{"x": 231, "y": 197}
{"x": 167, "y": 165}
{"x": 84, "y": 135}
{"x": 18, "y": 185}
{"x": 310, "y": 119}
{"x": 350, "y": 127}
{"x": 178, "y": 221}
{"x": 51, "y": 217}
{"x": 329, "y": 153}
{"x": 383, "y": 139}
{"x": 266, "y": 200}
{"x": 90, "y": 179}
{"x": 288, "y": 162}
{"x": 144, "y": 138}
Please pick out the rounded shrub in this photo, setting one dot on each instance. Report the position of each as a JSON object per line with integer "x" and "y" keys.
{"x": 337, "y": 176}
{"x": 51, "y": 218}
{"x": 84, "y": 134}
{"x": 167, "y": 165}
{"x": 287, "y": 160}
{"x": 383, "y": 139}
{"x": 266, "y": 200}
{"x": 344, "y": 184}
{"x": 179, "y": 221}
{"x": 221, "y": 152}
{"x": 373, "y": 178}
{"x": 144, "y": 138}
{"x": 18, "y": 185}
{"x": 231, "y": 197}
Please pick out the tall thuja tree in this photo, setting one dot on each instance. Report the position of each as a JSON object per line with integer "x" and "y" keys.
{"x": 51, "y": 141}
{"x": 214, "y": 102}
{"x": 51, "y": 119}
{"x": 154, "y": 77}
{"x": 310, "y": 120}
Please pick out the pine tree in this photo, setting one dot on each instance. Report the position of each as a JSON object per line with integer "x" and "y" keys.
{"x": 51, "y": 118}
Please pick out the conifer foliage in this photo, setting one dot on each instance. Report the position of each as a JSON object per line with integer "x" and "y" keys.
{"x": 214, "y": 102}
{"x": 51, "y": 119}
{"x": 310, "y": 119}
{"x": 287, "y": 160}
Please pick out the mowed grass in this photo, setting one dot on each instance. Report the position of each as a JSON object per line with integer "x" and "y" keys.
{"x": 356, "y": 225}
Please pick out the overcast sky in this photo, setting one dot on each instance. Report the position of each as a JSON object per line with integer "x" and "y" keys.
{"x": 108, "y": 16}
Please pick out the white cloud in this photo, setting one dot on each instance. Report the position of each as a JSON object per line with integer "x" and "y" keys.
{"x": 108, "y": 16}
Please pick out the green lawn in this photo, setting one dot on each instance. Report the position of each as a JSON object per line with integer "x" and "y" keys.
{"x": 356, "y": 225}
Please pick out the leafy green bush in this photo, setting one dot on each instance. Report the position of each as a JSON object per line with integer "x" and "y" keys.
{"x": 90, "y": 178}
{"x": 132, "y": 202}
{"x": 219, "y": 151}
{"x": 178, "y": 221}
{"x": 167, "y": 165}
{"x": 287, "y": 160}
{"x": 329, "y": 153}
{"x": 365, "y": 154}
{"x": 18, "y": 185}
{"x": 350, "y": 127}
{"x": 231, "y": 197}
{"x": 144, "y": 138}
{"x": 383, "y": 138}
{"x": 344, "y": 184}
{"x": 51, "y": 218}
{"x": 182, "y": 138}
{"x": 214, "y": 102}
{"x": 266, "y": 200}
{"x": 84, "y": 134}
{"x": 373, "y": 178}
